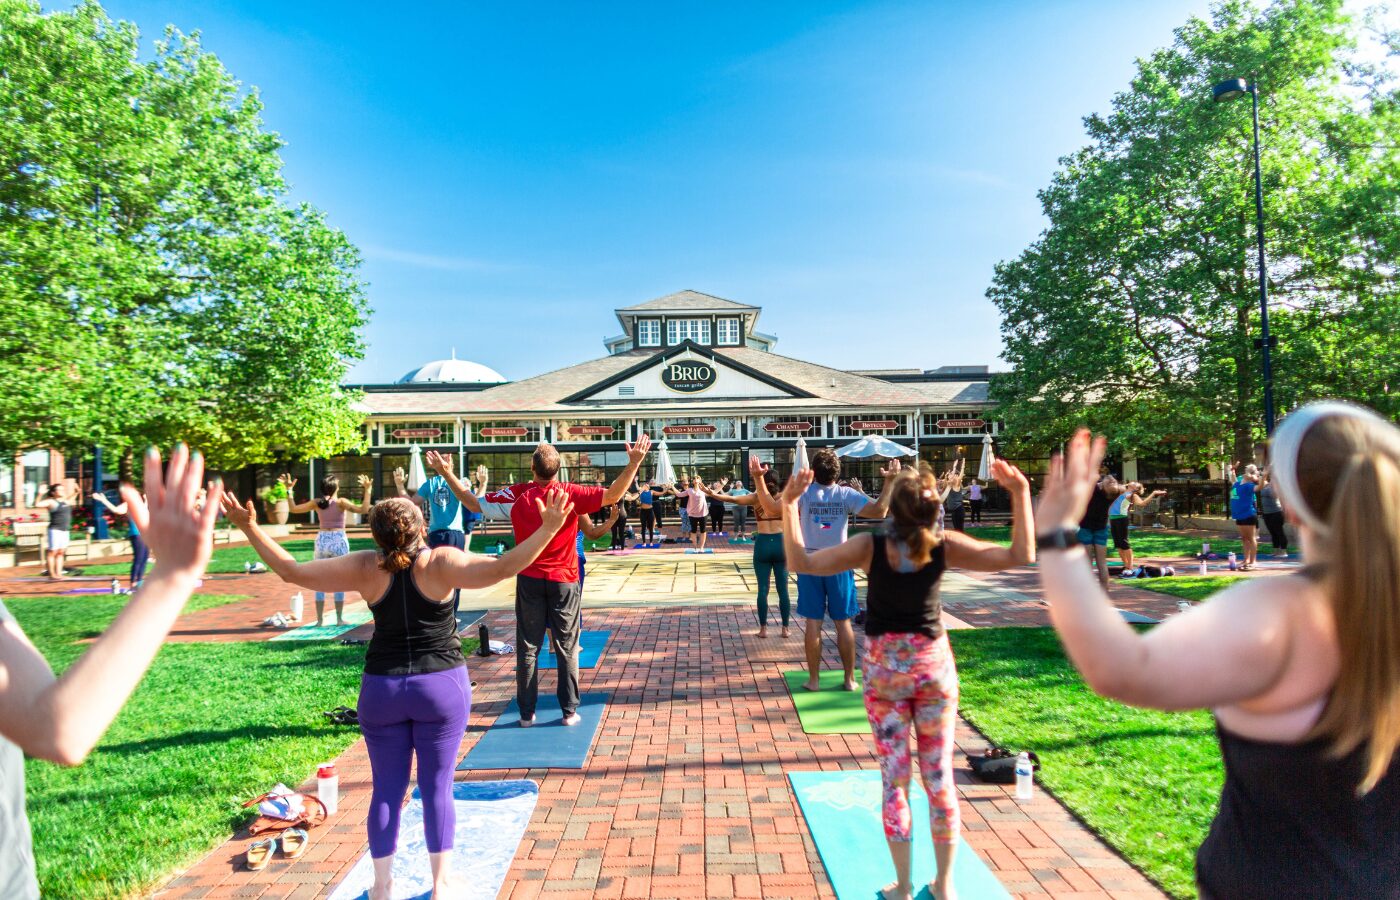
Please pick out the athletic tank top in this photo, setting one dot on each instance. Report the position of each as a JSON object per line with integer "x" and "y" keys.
{"x": 61, "y": 516}
{"x": 1290, "y": 825}
{"x": 412, "y": 634}
{"x": 332, "y": 517}
{"x": 903, "y": 602}
{"x": 644, "y": 498}
{"x": 1096, "y": 514}
{"x": 1119, "y": 508}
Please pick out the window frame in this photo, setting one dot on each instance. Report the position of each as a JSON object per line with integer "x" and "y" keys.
{"x": 642, "y": 324}
{"x": 720, "y": 340}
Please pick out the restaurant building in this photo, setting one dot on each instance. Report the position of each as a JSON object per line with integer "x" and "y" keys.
{"x": 689, "y": 368}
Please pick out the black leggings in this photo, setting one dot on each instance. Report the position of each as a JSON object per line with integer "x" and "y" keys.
{"x": 619, "y": 533}
{"x": 957, "y": 514}
{"x": 716, "y": 517}
{"x": 976, "y": 511}
{"x": 648, "y": 524}
{"x": 1277, "y": 535}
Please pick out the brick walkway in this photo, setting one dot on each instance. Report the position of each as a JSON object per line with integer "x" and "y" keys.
{"x": 685, "y": 794}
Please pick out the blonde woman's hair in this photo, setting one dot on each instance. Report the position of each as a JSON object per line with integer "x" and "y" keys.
{"x": 914, "y": 505}
{"x": 1348, "y": 473}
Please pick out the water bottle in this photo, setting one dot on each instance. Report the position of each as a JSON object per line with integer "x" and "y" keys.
{"x": 1205, "y": 549}
{"x": 485, "y": 637}
{"x": 116, "y": 586}
{"x": 1183, "y": 605}
{"x": 1205, "y": 570}
{"x": 328, "y": 787}
{"x": 1232, "y": 560}
{"x": 247, "y": 568}
{"x": 1025, "y": 777}
{"x": 298, "y": 604}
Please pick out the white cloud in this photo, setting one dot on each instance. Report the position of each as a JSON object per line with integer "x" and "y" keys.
{"x": 432, "y": 261}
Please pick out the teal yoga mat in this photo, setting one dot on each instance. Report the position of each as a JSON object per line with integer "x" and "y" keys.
{"x": 354, "y": 618}
{"x": 842, "y": 810}
{"x": 550, "y": 744}
{"x": 590, "y": 649}
{"x": 491, "y": 820}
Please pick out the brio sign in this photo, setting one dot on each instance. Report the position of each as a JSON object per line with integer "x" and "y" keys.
{"x": 688, "y": 376}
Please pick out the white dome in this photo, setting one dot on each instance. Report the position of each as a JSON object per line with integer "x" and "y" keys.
{"x": 460, "y": 371}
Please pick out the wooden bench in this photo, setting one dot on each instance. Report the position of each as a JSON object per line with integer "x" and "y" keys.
{"x": 29, "y": 537}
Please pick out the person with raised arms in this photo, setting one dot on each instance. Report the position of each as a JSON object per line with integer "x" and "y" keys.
{"x": 769, "y": 563}
{"x": 825, "y": 510}
{"x": 61, "y": 718}
{"x": 140, "y": 552}
{"x": 58, "y": 500}
{"x": 1301, "y": 671}
{"x": 415, "y": 696}
{"x": 1118, "y": 511}
{"x": 547, "y": 593}
{"x": 911, "y": 682}
{"x": 331, "y": 540}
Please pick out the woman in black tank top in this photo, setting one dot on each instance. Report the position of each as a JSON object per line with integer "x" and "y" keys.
{"x": 1300, "y": 670}
{"x": 911, "y": 683}
{"x": 414, "y": 695}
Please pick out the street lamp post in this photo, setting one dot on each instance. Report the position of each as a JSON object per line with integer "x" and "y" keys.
{"x": 1229, "y": 90}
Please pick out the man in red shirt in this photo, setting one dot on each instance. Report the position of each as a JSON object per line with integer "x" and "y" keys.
{"x": 547, "y": 592}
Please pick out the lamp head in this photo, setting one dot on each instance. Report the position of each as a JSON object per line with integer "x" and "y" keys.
{"x": 1229, "y": 90}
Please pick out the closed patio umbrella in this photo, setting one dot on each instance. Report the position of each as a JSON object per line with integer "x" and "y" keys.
{"x": 665, "y": 472}
{"x": 875, "y": 445}
{"x": 984, "y": 469}
{"x": 416, "y": 475}
{"x": 801, "y": 462}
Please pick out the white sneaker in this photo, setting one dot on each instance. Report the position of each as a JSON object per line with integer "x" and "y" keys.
{"x": 527, "y": 723}
{"x": 573, "y": 719}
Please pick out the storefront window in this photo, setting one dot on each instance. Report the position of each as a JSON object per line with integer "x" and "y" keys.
{"x": 648, "y": 333}
{"x": 502, "y": 469}
{"x": 722, "y": 428}
{"x": 697, "y": 330}
{"x": 36, "y": 475}
{"x": 7, "y": 485}
{"x": 729, "y": 332}
{"x": 785, "y": 427}
{"x": 506, "y": 432}
{"x": 963, "y": 421}
{"x": 572, "y": 431}
{"x": 402, "y": 434}
{"x": 865, "y": 424}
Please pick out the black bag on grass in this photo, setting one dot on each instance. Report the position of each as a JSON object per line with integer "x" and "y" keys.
{"x": 998, "y": 765}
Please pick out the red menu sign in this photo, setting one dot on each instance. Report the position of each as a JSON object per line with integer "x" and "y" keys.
{"x": 960, "y": 423}
{"x": 688, "y": 429}
{"x": 788, "y": 426}
{"x": 874, "y": 425}
{"x": 417, "y": 432}
{"x": 504, "y": 432}
{"x": 606, "y": 430}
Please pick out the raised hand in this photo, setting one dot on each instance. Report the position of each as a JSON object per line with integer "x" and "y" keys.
{"x": 399, "y": 476}
{"x": 241, "y": 515}
{"x": 179, "y": 533}
{"x": 1070, "y": 482}
{"x": 638, "y": 451}
{"x": 756, "y": 468}
{"x": 1009, "y": 477}
{"x": 287, "y": 480}
{"x": 440, "y": 463}
{"x": 892, "y": 469}
{"x": 365, "y": 482}
{"x": 796, "y": 486}
{"x": 481, "y": 474}
{"x": 555, "y": 510}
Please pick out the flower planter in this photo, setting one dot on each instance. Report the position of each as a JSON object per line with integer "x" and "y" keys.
{"x": 277, "y": 513}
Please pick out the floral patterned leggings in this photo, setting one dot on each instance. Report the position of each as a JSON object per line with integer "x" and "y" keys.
{"x": 912, "y": 678}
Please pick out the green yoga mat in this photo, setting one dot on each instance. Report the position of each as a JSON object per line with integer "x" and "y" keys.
{"x": 829, "y": 710}
{"x": 842, "y": 811}
{"x": 354, "y": 618}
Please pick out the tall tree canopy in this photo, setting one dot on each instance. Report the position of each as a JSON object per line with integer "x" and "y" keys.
{"x": 155, "y": 284}
{"x": 1137, "y": 309}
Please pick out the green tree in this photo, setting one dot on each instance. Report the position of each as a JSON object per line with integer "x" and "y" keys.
{"x": 1136, "y": 310}
{"x": 155, "y": 284}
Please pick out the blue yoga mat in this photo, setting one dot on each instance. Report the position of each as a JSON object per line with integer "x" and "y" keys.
{"x": 842, "y": 810}
{"x": 491, "y": 820}
{"x": 550, "y": 744}
{"x": 590, "y": 648}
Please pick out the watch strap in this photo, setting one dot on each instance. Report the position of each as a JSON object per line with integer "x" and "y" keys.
{"x": 1059, "y": 539}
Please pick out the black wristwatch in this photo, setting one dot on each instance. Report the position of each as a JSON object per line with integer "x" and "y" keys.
{"x": 1059, "y": 539}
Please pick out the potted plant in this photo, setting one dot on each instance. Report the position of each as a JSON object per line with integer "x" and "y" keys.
{"x": 277, "y": 502}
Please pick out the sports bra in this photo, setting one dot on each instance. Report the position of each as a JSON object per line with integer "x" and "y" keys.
{"x": 332, "y": 517}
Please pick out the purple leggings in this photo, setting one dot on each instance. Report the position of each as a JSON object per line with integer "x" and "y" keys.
{"x": 402, "y": 716}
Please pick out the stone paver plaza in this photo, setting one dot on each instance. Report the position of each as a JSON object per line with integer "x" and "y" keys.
{"x": 685, "y": 793}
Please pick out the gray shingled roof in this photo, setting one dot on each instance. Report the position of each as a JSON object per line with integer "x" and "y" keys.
{"x": 540, "y": 394}
{"x": 687, "y": 300}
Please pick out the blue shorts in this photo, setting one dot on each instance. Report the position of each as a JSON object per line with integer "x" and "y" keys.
{"x": 819, "y": 596}
{"x": 447, "y": 537}
{"x": 1097, "y": 536}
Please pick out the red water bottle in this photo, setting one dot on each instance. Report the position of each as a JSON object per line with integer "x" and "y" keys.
{"x": 328, "y": 787}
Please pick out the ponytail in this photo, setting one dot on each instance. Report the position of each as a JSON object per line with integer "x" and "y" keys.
{"x": 397, "y": 526}
{"x": 330, "y": 485}
{"x": 914, "y": 506}
{"x": 1363, "y": 579}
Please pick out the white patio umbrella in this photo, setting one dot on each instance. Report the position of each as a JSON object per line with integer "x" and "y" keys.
{"x": 416, "y": 475}
{"x": 984, "y": 469}
{"x": 875, "y": 445}
{"x": 665, "y": 472}
{"x": 801, "y": 462}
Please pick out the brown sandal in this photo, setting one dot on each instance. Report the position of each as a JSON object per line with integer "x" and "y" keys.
{"x": 259, "y": 854}
{"x": 294, "y": 841}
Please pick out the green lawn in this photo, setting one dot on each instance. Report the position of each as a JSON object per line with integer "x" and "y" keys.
{"x": 1147, "y": 782}
{"x": 230, "y": 559}
{"x": 1189, "y": 587}
{"x": 1147, "y": 542}
{"x": 210, "y": 726}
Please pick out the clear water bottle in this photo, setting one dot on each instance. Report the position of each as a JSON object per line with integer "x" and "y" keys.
{"x": 298, "y": 605}
{"x": 1183, "y": 606}
{"x": 1205, "y": 549}
{"x": 1205, "y": 570}
{"x": 328, "y": 787}
{"x": 1232, "y": 560}
{"x": 116, "y": 586}
{"x": 1025, "y": 777}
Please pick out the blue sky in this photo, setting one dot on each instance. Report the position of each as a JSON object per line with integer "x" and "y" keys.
{"x": 514, "y": 172}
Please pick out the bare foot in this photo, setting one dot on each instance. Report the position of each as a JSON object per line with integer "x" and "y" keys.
{"x": 445, "y": 888}
{"x": 786, "y": 633}
{"x": 893, "y": 891}
{"x": 763, "y": 632}
{"x": 942, "y": 891}
{"x": 382, "y": 892}
{"x": 318, "y": 623}
{"x": 812, "y": 685}
{"x": 850, "y": 685}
